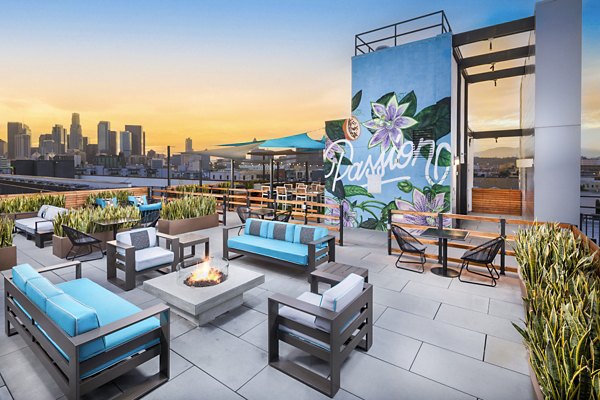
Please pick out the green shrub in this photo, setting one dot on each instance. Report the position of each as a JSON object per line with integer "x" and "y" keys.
{"x": 188, "y": 207}
{"x": 84, "y": 219}
{"x": 121, "y": 196}
{"x": 27, "y": 203}
{"x": 562, "y": 327}
{"x": 192, "y": 188}
{"x": 7, "y": 226}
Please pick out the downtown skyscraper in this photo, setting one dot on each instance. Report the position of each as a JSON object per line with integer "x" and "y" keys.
{"x": 137, "y": 139}
{"x": 103, "y": 137}
{"x": 59, "y": 135}
{"x": 19, "y": 140}
{"x": 75, "y": 133}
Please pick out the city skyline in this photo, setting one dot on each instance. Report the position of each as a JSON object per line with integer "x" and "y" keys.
{"x": 212, "y": 82}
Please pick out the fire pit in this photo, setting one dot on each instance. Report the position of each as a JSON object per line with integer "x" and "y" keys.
{"x": 203, "y": 273}
{"x": 202, "y": 290}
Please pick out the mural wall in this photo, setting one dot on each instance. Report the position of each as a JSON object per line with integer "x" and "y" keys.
{"x": 394, "y": 152}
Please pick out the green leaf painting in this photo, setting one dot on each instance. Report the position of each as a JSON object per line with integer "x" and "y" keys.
{"x": 385, "y": 211}
{"x": 411, "y": 99}
{"x": 356, "y": 100}
{"x": 334, "y": 129}
{"x": 370, "y": 223}
{"x": 353, "y": 190}
{"x": 405, "y": 186}
{"x": 435, "y": 117}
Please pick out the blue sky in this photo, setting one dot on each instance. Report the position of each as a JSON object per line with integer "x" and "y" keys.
{"x": 206, "y": 69}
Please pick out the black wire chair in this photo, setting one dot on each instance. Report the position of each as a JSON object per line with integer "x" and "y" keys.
{"x": 283, "y": 216}
{"x": 78, "y": 240}
{"x": 149, "y": 219}
{"x": 244, "y": 213}
{"x": 484, "y": 254}
{"x": 409, "y": 244}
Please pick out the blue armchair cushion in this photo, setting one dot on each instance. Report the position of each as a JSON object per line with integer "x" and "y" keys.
{"x": 107, "y": 202}
{"x": 137, "y": 200}
{"x": 22, "y": 273}
{"x": 39, "y": 290}
{"x": 296, "y": 253}
{"x": 150, "y": 207}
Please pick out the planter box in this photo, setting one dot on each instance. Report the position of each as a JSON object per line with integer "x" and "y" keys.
{"x": 8, "y": 257}
{"x": 62, "y": 245}
{"x": 179, "y": 226}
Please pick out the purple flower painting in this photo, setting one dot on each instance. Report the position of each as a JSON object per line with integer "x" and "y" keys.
{"x": 388, "y": 124}
{"x": 421, "y": 203}
{"x": 349, "y": 220}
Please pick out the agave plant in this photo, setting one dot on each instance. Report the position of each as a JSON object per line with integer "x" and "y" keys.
{"x": 7, "y": 226}
{"x": 25, "y": 203}
{"x": 562, "y": 327}
{"x": 84, "y": 219}
{"x": 188, "y": 207}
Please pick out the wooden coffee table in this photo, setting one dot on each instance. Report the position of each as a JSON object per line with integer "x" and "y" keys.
{"x": 336, "y": 269}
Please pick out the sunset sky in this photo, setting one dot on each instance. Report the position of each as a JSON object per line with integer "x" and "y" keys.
{"x": 221, "y": 71}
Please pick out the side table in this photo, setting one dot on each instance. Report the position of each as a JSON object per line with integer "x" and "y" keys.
{"x": 337, "y": 270}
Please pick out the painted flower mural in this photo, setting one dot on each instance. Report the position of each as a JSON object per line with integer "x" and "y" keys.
{"x": 432, "y": 203}
{"x": 349, "y": 220}
{"x": 331, "y": 150}
{"x": 394, "y": 118}
{"x": 387, "y": 124}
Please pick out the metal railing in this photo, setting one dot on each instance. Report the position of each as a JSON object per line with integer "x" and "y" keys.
{"x": 314, "y": 213}
{"x": 441, "y": 218}
{"x": 395, "y": 33}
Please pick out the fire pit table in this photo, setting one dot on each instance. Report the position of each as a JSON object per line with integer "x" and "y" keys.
{"x": 201, "y": 290}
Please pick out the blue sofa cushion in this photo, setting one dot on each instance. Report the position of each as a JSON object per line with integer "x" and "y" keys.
{"x": 305, "y": 234}
{"x": 39, "y": 290}
{"x": 109, "y": 308}
{"x": 75, "y": 318}
{"x": 256, "y": 227}
{"x": 23, "y": 273}
{"x": 296, "y": 253}
{"x": 280, "y": 231}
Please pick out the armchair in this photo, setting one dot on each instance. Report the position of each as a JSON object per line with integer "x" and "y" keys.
{"x": 138, "y": 251}
{"x": 484, "y": 254}
{"x": 327, "y": 326}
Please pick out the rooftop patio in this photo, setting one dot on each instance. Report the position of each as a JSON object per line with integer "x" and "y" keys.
{"x": 434, "y": 337}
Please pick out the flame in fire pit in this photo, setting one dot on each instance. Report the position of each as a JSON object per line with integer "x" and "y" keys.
{"x": 204, "y": 275}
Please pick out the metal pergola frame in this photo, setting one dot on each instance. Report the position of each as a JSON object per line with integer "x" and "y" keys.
{"x": 462, "y": 124}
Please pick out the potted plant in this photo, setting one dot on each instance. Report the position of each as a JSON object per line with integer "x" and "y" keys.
{"x": 562, "y": 324}
{"x": 121, "y": 196}
{"x": 83, "y": 220}
{"x": 188, "y": 214}
{"x": 28, "y": 206}
{"x": 8, "y": 251}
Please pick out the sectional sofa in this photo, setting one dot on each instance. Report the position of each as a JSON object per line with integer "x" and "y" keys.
{"x": 82, "y": 333}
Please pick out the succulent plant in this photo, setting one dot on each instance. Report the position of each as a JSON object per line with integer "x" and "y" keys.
{"x": 562, "y": 326}
{"x": 121, "y": 196}
{"x": 30, "y": 203}
{"x": 188, "y": 207}
{"x": 7, "y": 227}
{"x": 84, "y": 219}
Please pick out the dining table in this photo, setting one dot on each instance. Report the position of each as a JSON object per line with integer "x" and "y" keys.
{"x": 114, "y": 224}
{"x": 444, "y": 235}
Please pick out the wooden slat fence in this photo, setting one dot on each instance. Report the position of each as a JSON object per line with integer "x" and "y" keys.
{"x": 497, "y": 201}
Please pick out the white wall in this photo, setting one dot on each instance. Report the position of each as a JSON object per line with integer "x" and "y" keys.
{"x": 557, "y": 110}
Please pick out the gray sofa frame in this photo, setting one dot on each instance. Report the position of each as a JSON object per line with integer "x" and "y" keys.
{"x": 341, "y": 341}
{"x": 313, "y": 253}
{"x": 67, "y": 373}
{"x": 126, "y": 262}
